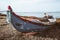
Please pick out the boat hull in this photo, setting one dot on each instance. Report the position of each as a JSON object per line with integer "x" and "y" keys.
{"x": 23, "y": 26}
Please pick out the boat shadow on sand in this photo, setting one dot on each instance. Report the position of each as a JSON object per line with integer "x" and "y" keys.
{"x": 52, "y": 32}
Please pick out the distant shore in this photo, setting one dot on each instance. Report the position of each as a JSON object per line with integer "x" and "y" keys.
{"x": 26, "y": 17}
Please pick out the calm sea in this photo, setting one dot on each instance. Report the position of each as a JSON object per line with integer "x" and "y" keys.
{"x": 37, "y": 14}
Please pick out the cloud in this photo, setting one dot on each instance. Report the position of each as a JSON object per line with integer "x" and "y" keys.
{"x": 31, "y": 5}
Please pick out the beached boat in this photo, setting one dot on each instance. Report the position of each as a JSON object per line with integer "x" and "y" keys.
{"x": 24, "y": 25}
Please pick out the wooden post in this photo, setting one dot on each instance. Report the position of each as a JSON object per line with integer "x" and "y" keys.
{"x": 8, "y": 18}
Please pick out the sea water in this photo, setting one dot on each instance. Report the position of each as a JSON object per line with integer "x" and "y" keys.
{"x": 36, "y": 14}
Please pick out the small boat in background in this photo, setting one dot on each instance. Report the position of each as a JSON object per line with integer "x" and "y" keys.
{"x": 28, "y": 25}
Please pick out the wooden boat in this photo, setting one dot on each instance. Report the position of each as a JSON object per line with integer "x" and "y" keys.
{"x": 24, "y": 25}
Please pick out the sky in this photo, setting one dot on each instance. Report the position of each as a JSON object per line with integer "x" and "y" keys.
{"x": 31, "y": 5}
{"x": 35, "y": 6}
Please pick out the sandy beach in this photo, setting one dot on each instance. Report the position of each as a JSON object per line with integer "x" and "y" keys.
{"x": 8, "y": 32}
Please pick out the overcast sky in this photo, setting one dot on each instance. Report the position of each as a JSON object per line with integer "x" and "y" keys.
{"x": 31, "y": 5}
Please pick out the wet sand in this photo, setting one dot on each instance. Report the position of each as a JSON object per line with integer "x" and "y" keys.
{"x": 8, "y": 32}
